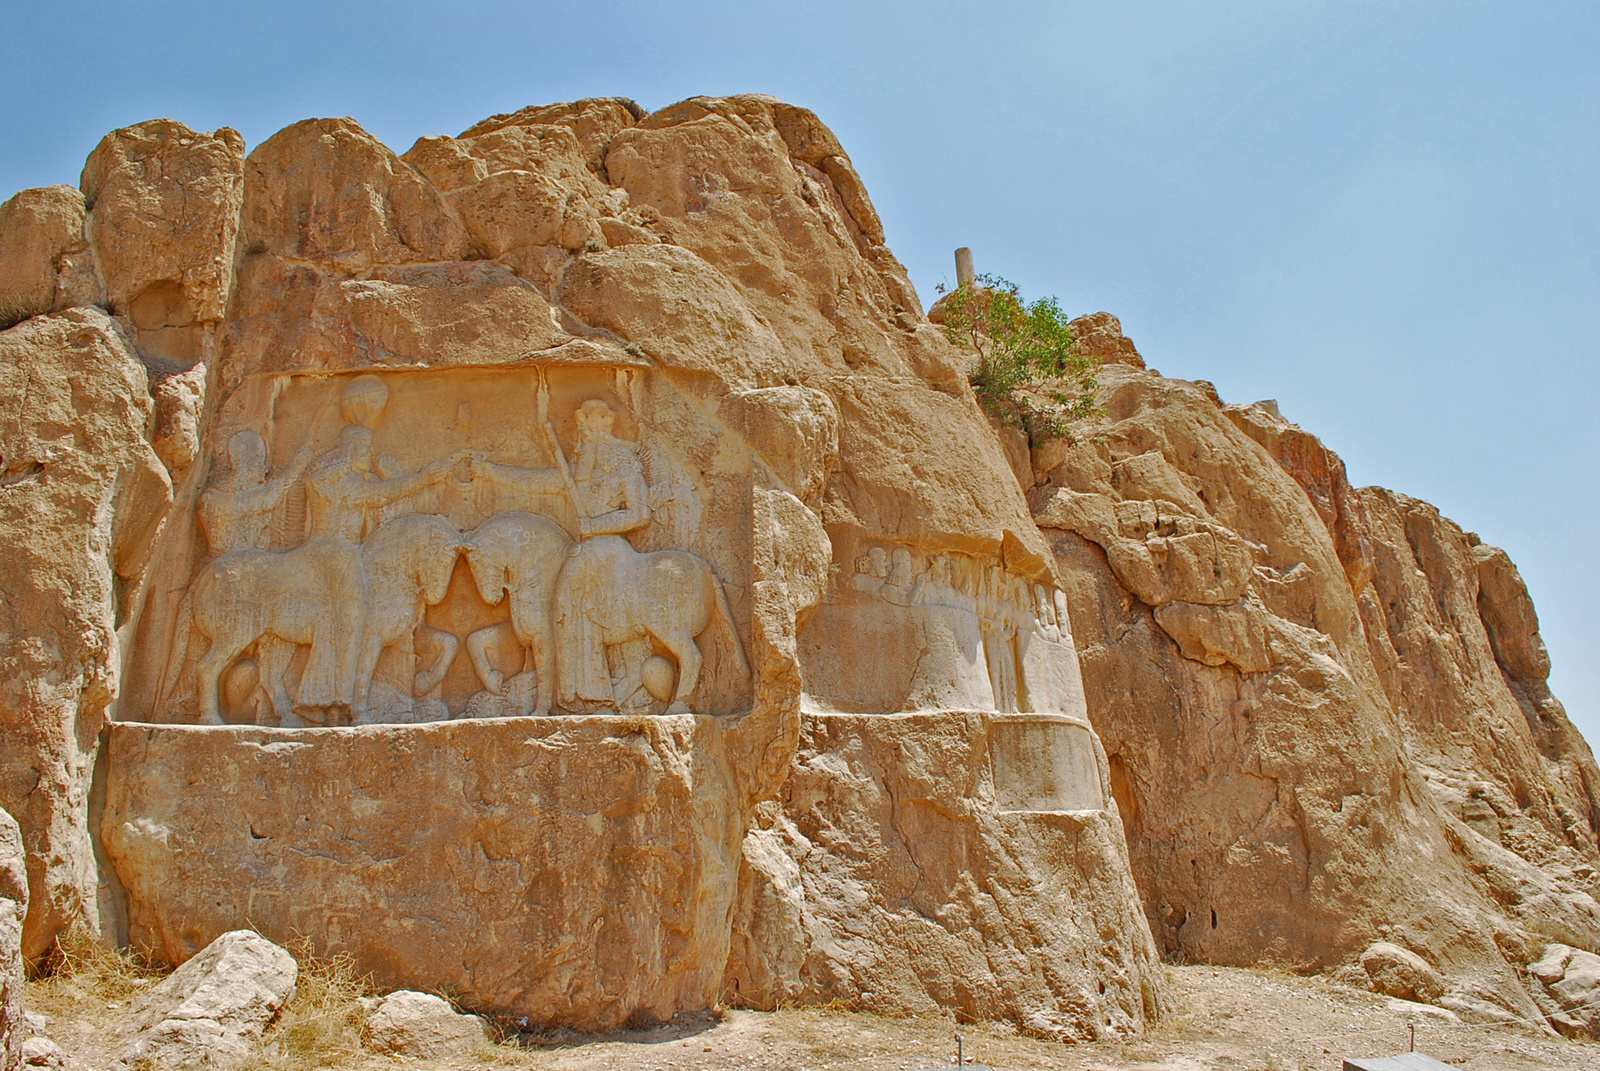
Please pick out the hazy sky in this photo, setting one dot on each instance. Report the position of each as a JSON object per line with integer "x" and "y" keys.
{"x": 1386, "y": 216}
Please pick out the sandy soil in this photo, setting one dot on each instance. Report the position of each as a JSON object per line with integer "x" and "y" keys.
{"x": 1221, "y": 1018}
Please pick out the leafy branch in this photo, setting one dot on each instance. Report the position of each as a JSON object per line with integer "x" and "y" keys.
{"x": 1026, "y": 351}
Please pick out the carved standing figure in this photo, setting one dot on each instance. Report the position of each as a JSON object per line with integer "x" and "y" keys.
{"x": 346, "y": 493}
{"x": 237, "y": 514}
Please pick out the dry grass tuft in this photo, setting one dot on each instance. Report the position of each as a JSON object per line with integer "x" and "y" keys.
{"x": 322, "y": 1026}
{"x": 81, "y": 973}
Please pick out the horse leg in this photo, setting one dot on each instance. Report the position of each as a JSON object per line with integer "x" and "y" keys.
{"x": 366, "y": 668}
{"x": 217, "y": 658}
{"x": 275, "y": 656}
{"x": 482, "y": 646}
{"x": 681, "y": 644}
{"x": 439, "y": 647}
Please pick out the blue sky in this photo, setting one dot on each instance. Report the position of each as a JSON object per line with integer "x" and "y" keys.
{"x": 1386, "y": 216}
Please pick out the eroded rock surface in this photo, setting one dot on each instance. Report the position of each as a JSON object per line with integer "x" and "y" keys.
{"x": 915, "y": 862}
{"x": 82, "y": 495}
{"x": 14, "y": 1026}
{"x": 1325, "y": 707}
{"x": 577, "y": 871}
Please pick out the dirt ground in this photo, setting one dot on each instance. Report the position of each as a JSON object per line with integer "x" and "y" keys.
{"x": 1220, "y": 1019}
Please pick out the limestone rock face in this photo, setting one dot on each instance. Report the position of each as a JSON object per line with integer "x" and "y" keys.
{"x": 1568, "y": 989}
{"x": 14, "y": 1028}
{"x": 1325, "y": 708}
{"x": 164, "y": 212}
{"x": 38, "y": 230}
{"x": 82, "y": 496}
{"x": 212, "y": 1009}
{"x": 905, "y": 865}
{"x": 421, "y": 1025}
{"x": 575, "y": 871}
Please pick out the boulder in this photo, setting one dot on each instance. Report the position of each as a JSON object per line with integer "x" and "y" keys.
{"x": 1569, "y": 989}
{"x": 213, "y": 1008}
{"x": 15, "y": 1028}
{"x": 44, "y": 1053}
{"x": 38, "y": 228}
{"x": 424, "y": 1026}
{"x": 1399, "y": 972}
{"x": 163, "y": 216}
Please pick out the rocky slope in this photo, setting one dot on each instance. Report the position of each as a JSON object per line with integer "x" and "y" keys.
{"x": 1325, "y": 707}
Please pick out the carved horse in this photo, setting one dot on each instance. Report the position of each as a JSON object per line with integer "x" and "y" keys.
{"x": 312, "y": 595}
{"x": 520, "y": 554}
{"x": 408, "y": 562}
{"x": 671, "y": 595}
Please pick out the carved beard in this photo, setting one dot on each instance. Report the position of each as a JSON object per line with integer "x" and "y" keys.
{"x": 604, "y": 455}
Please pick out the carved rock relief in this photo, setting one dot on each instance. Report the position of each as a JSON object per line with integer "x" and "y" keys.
{"x": 484, "y": 568}
{"x": 905, "y": 629}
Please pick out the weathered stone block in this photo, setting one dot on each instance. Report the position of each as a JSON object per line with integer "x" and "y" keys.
{"x": 577, "y": 871}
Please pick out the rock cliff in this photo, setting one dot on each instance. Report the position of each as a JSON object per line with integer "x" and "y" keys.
{"x": 467, "y": 545}
{"x": 562, "y": 563}
{"x": 1324, "y": 707}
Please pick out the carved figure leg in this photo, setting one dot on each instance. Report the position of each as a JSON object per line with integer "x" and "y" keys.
{"x": 366, "y": 668}
{"x": 487, "y": 644}
{"x": 684, "y": 650}
{"x": 530, "y": 616}
{"x": 275, "y": 655}
{"x": 221, "y": 653}
{"x": 438, "y": 649}
{"x": 630, "y": 656}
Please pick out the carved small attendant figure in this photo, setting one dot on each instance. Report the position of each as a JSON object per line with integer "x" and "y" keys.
{"x": 996, "y": 618}
{"x": 238, "y": 514}
{"x": 872, "y": 569}
{"x": 901, "y": 587}
{"x": 346, "y": 492}
{"x": 1045, "y": 613}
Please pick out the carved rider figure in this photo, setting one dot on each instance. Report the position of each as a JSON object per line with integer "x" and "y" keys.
{"x": 612, "y": 499}
{"x": 237, "y": 515}
{"x": 346, "y": 492}
{"x": 592, "y": 609}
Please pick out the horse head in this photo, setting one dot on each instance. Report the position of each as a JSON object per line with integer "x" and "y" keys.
{"x": 437, "y": 564}
{"x": 486, "y": 561}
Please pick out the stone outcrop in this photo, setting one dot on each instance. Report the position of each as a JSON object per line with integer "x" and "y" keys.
{"x": 1325, "y": 707}
{"x": 82, "y": 495}
{"x": 1567, "y": 989}
{"x": 890, "y": 875}
{"x": 41, "y": 234}
{"x": 14, "y": 1028}
{"x": 527, "y": 491}
{"x": 213, "y": 1009}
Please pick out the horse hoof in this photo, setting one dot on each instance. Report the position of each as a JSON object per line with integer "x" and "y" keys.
{"x": 680, "y": 707}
